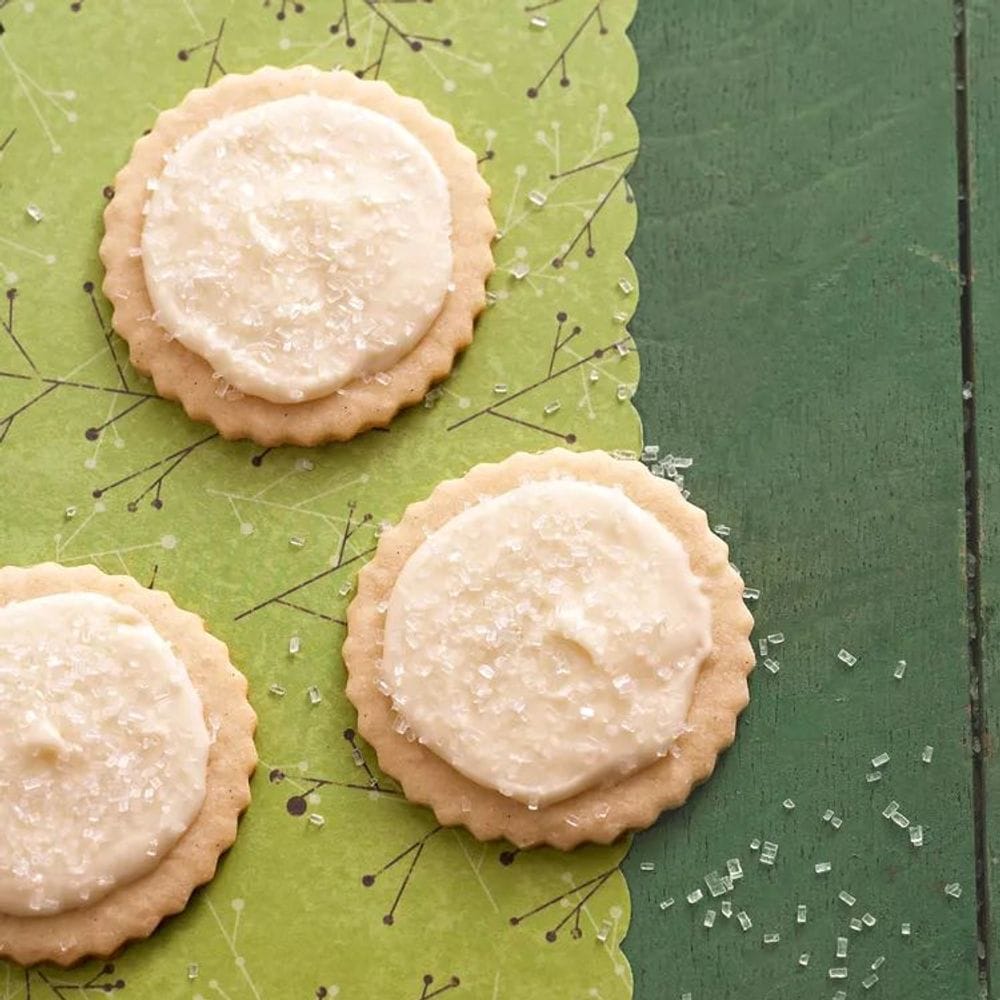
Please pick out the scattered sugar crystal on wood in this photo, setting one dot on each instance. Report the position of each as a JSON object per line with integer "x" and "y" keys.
{"x": 770, "y": 665}
{"x": 804, "y": 959}
{"x": 647, "y": 866}
{"x": 900, "y": 670}
{"x": 880, "y": 760}
{"x": 772, "y": 938}
{"x": 822, "y": 867}
{"x": 709, "y": 918}
{"x": 294, "y": 645}
{"x": 927, "y": 754}
{"x": 316, "y": 819}
{"x": 537, "y": 198}
{"x": 296, "y": 541}
{"x": 314, "y": 696}
{"x": 841, "y": 947}
{"x": 917, "y": 835}
{"x": 665, "y": 904}
{"x": 856, "y": 925}
{"x": 845, "y": 897}
{"x": 953, "y": 889}
{"x": 869, "y": 981}
{"x": 722, "y": 530}
{"x": 34, "y": 212}
{"x": 868, "y": 919}
{"x": 801, "y": 913}
{"x": 776, "y": 638}
{"x": 277, "y": 690}
{"x": 789, "y": 804}
{"x": 716, "y": 886}
{"x": 744, "y": 918}
{"x": 693, "y": 896}
{"x": 846, "y": 657}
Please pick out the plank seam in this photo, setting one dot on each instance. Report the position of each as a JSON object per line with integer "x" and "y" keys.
{"x": 972, "y": 494}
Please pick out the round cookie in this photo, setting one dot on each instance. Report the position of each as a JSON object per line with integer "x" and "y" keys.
{"x": 616, "y": 802}
{"x": 106, "y": 914}
{"x": 309, "y": 415}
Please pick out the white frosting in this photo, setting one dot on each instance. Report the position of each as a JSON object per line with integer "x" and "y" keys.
{"x": 103, "y": 750}
{"x": 298, "y": 244}
{"x": 546, "y": 639}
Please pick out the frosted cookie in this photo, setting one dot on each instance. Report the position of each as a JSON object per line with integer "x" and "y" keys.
{"x": 552, "y": 650}
{"x": 296, "y": 255}
{"x": 125, "y": 758}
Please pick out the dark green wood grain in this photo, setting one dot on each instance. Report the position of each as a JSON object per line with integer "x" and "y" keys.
{"x": 798, "y": 330}
{"x": 983, "y": 34}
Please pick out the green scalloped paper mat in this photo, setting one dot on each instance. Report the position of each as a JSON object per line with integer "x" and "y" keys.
{"x": 376, "y": 901}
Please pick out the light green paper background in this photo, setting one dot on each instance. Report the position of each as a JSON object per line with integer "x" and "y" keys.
{"x": 211, "y": 521}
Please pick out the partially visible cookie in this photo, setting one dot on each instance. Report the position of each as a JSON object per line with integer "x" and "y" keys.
{"x": 126, "y": 756}
{"x": 552, "y": 649}
{"x": 297, "y": 254}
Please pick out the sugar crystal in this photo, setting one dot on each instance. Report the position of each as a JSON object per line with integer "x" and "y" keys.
{"x": 623, "y": 392}
{"x": 845, "y": 657}
{"x": 69, "y": 513}
{"x": 625, "y": 286}
{"x": 776, "y": 638}
{"x": 878, "y": 963}
{"x": 873, "y": 776}
{"x": 722, "y": 530}
{"x": 927, "y": 755}
{"x": 294, "y": 645}
{"x": 869, "y": 981}
{"x": 917, "y": 835}
{"x": 34, "y": 212}
{"x": 552, "y": 407}
{"x": 772, "y": 666}
{"x": 316, "y": 819}
{"x": 804, "y": 959}
{"x": 665, "y": 904}
{"x": 744, "y": 918}
{"x": 537, "y": 198}
{"x": 727, "y": 908}
{"x": 845, "y": 897}
{"x": 693, "y": 896}
{"x": 841, "y": 947}
{"x": 855, "y": 923}
{"x": 772, "y": 938}
{"x": 801, "y": 913}
{"x": 520, "y": 270}
{"x": 500, "y": 388}
{"x": 868, "y": 920}
{"x": 880, "y": 760}
{"x": 822, "y": 867}
{"x": 953, "y": 889}
{"x": 838, "y": 973}
{"x": 193, "y": 970}
{"x": 539, "y": 21}
{"x": 277, "y": 690}
{"x": 647, "y": 866}
{"x": 751, "y": 594}
{"x": 905, "y": 929}
{"x": 296, "y": 541}
{"x": 314, "y": 696}
{"x": 900, "y": 670}
{"x": 709, "y": 918}
{"x": 788, "y": 804}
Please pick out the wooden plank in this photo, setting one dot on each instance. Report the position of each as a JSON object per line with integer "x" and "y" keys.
{"x": 982, "y": 49}
{"x": 798, "y": 331}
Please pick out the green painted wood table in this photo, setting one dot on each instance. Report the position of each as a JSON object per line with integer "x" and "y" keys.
{"x": 805, "y": 335}
{"x": 818, "y": 214}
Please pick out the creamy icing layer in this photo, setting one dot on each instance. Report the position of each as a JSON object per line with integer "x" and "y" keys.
{"x": 546, "y": 639}
{"x": 103, "y": 750}
{"x": 298, "y": 244}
